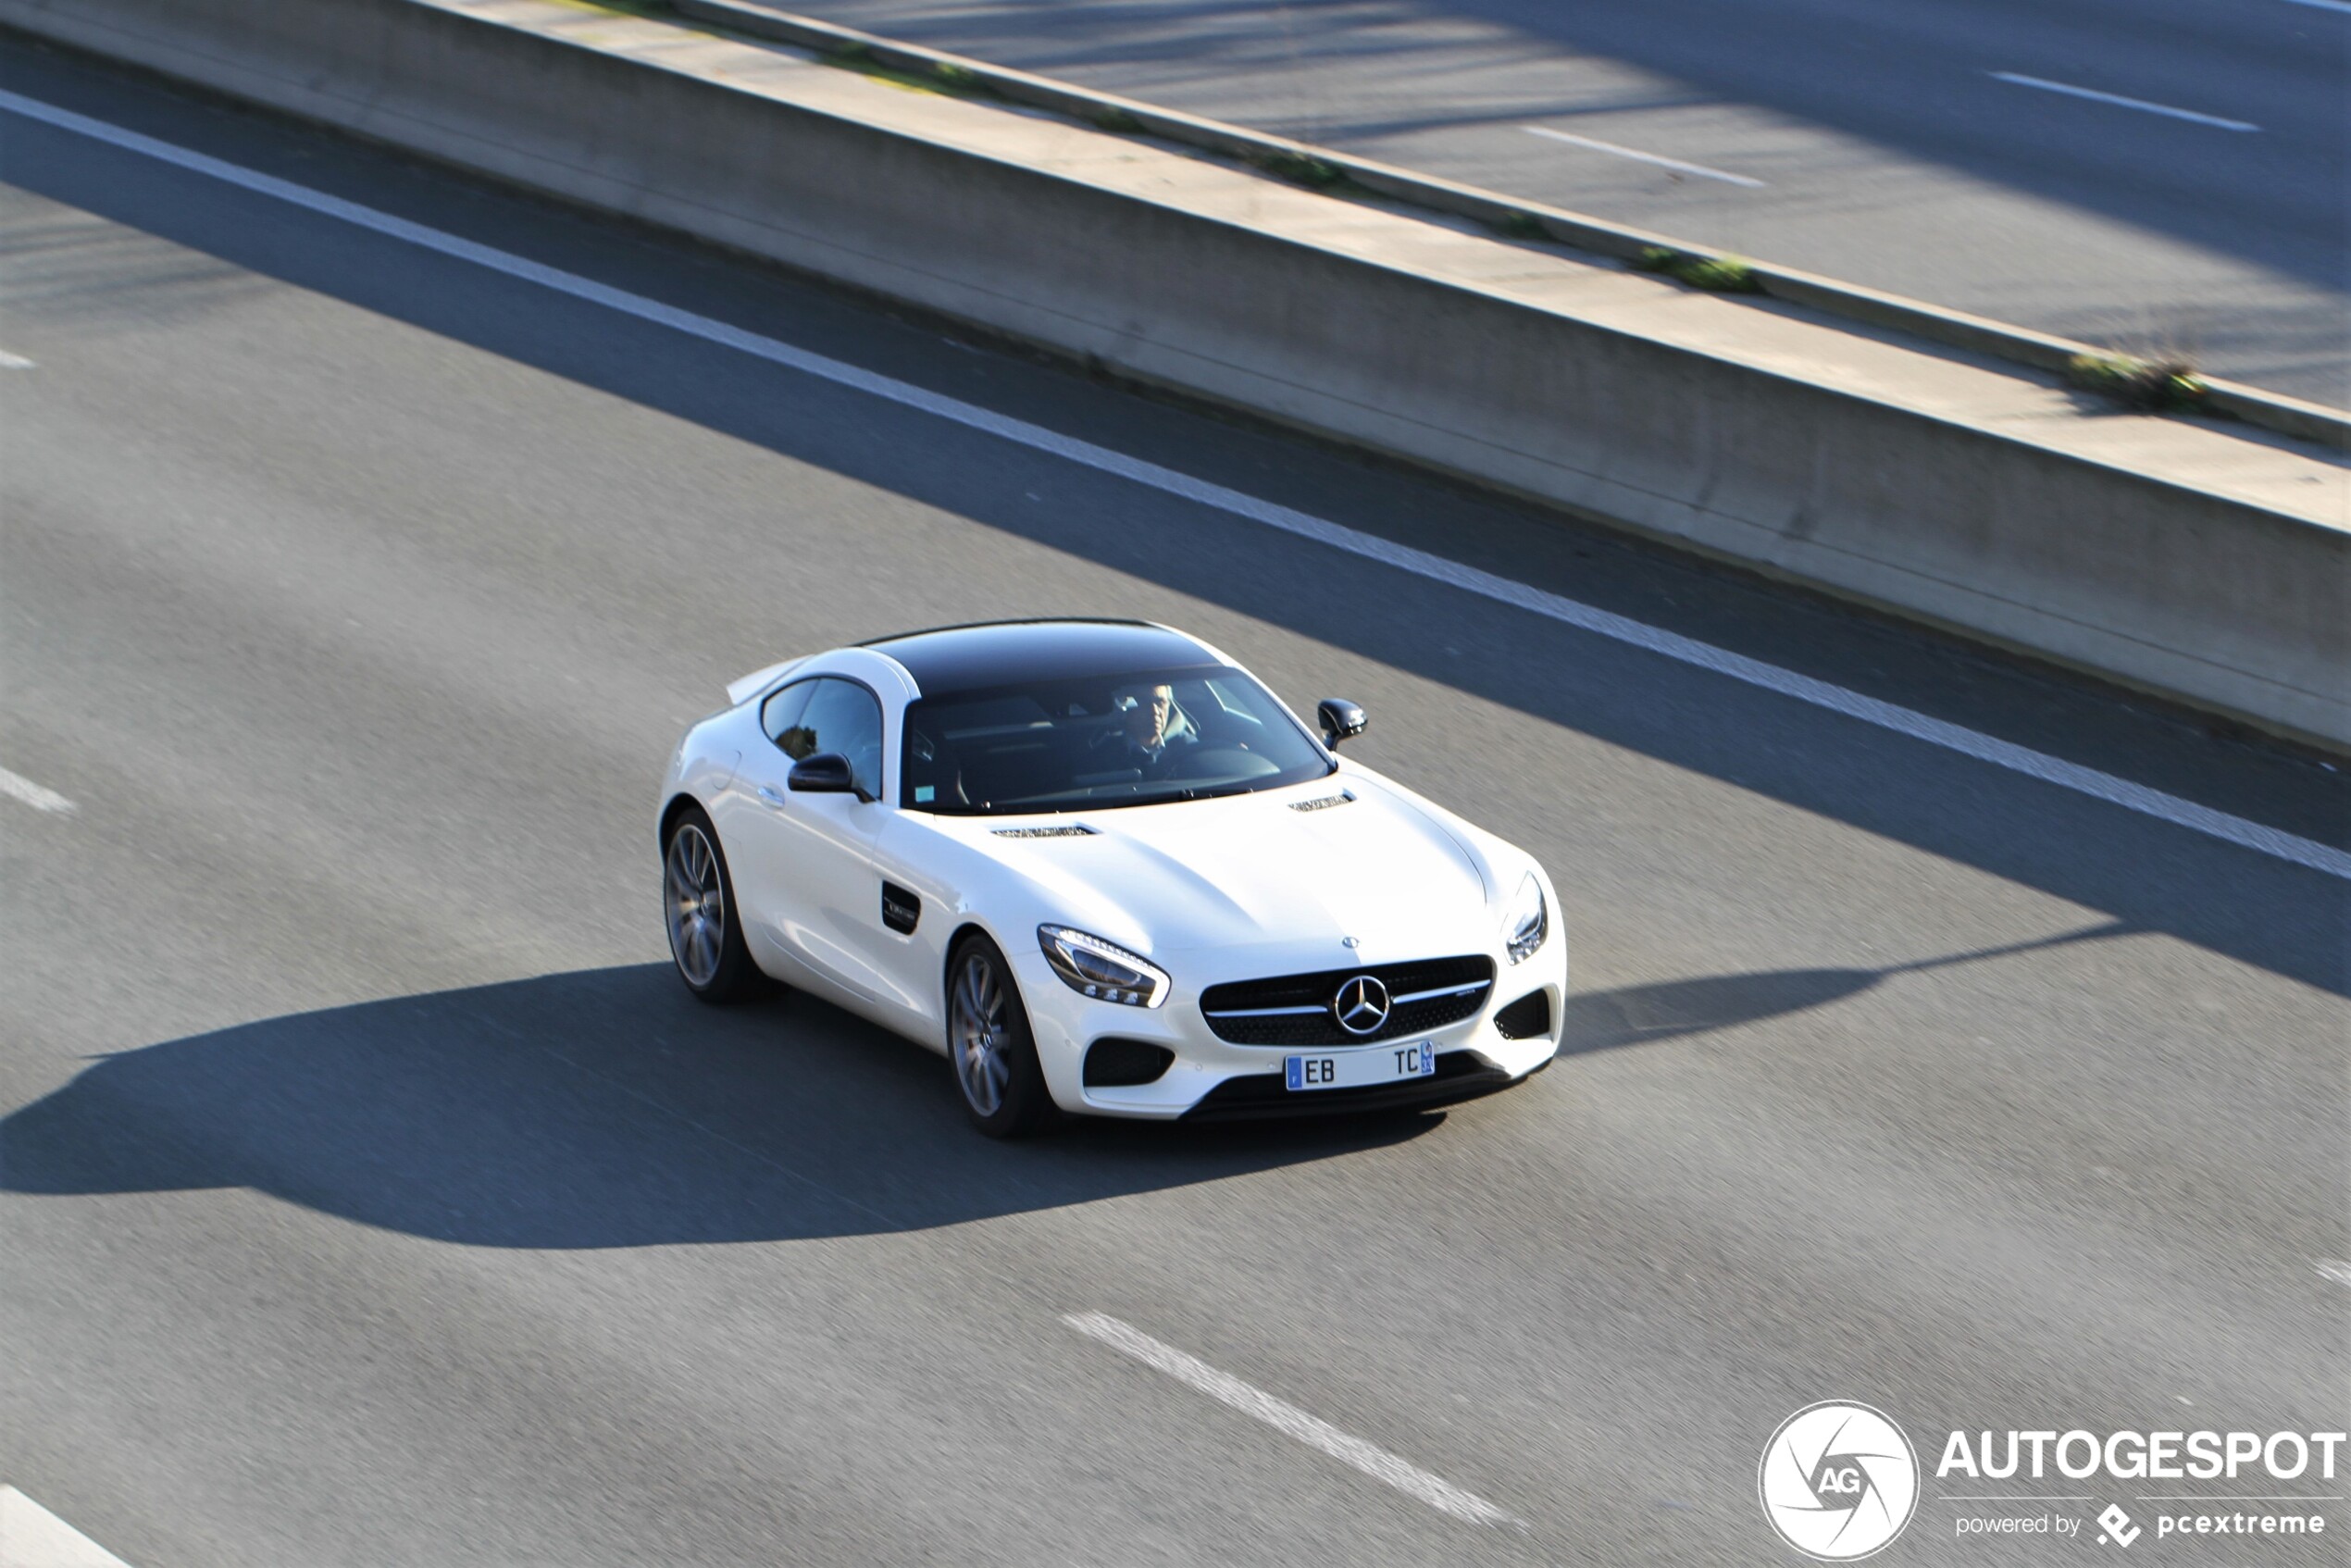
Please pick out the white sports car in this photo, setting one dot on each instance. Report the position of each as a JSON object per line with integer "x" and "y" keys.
{"x": 1104, "y": 870}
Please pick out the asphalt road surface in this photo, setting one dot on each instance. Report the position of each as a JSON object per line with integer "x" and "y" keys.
{"x": 372, "y": 1193}
{"x": 1941, "y": 149}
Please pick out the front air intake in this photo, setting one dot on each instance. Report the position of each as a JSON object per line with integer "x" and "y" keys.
{"x": 1527, "y": 1018}
{"x": 1122, "y": 1063}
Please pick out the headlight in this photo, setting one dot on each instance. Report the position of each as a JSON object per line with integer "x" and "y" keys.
{"x": 1101, "y": 970}
{"x": 1526, "y": 922}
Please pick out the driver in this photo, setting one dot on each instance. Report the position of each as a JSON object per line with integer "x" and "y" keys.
{"x": 1153, "y": 730}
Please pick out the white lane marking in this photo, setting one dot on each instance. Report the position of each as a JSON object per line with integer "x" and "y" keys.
{"x": 17, "y": 787}
{"x": 2096, "y": 96}
{"x": 1290, "y": 1421}
{"x": 2089, "y": 781}
{"x": 14, "y": 361}
{"x": 2334, "y": 1269}
{"x": 2342, "y": 5}
{"x": 1639, "y": 157}
{"x": 32, "y": 1536}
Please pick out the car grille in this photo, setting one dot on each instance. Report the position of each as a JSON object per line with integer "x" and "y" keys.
{"x": 1296, "y": 1009}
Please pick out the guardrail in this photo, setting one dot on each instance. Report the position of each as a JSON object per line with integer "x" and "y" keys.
{"x": 1508, "y": 216}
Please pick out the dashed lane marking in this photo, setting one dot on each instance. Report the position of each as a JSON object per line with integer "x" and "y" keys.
{"x": 19, "y": 787}
{"x": 2069, "y": 90}
{"x": 2237, "y": 830}
{"x": 32, "y": 1536}
{"x": 1639, "y": 157}
{"x": 1290, "y": 1421}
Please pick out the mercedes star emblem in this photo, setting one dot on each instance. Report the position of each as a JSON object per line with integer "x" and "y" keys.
{"x": 1361, "y": 1005}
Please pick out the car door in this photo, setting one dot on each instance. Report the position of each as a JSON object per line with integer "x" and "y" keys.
{"x": 803, "y": 862}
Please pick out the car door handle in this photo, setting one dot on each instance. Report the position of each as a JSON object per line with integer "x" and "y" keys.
{"x": 772, "y": 795}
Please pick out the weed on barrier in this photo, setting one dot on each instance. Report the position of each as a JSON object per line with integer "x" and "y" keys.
{"x": 1299, "y": 170}
{"x": 946, "y": 77}
{"x": 2151, "y": 386}
{"x": 1721, "y": 274}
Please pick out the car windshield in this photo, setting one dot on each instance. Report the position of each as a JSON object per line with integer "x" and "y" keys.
{"x": 1134, "y": 738}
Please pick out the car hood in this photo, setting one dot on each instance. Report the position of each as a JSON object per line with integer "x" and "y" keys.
{"x": 1253, "y": 869}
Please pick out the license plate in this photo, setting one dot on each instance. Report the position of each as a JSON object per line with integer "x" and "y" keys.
{"x": 1357, "y": 1068}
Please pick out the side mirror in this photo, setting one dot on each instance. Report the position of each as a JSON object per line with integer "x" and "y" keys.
{"x": 827, "y": 773}
{"x": 1340, "y": 719}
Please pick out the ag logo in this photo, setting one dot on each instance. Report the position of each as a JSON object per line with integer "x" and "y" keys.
{"x": 1838, "y": 1481}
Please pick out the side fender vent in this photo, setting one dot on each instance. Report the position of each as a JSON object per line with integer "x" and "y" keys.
{"x": 1073, "y": 830}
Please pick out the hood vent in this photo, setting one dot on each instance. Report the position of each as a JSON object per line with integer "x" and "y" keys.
{"x": 1073, "y": 830}
{"x": 1324, "y": 803}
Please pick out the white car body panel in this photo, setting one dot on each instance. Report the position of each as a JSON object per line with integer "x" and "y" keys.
{"x": 803, "y": 864}
{"x": 1239, "y": 886}
{"x": 744, "y": 688}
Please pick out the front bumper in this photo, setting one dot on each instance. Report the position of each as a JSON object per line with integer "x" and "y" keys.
{"x": 1461, "y": 1075}
{"x": 1214, "y": 1079}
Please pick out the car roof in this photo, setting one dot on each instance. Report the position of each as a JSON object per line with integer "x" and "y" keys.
{"x": 950, "y": 659}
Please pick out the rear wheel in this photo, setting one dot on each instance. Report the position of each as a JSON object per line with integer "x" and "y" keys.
{"x": 697, "y": 899}
{"x": 988, "y": 1040}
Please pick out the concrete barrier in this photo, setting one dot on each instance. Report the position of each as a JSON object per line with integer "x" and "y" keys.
{"x": 1875, "y": 308}
{"x": 2209, "y": 566}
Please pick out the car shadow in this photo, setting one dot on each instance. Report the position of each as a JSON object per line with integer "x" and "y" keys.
{"x": 1638, "y": 1015}
{"x": 1606, "y": 1020}
{"x": 606, "y": 1108}
{"x": 600, "y": 1108}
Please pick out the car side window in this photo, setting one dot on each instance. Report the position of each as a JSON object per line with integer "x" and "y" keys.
{"x": 841, "y": 716}
{"x": 780, "y": 713}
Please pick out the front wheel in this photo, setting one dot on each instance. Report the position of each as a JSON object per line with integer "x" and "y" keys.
{"x": 706, "y": 929}
{"x": 988, "y": 1040}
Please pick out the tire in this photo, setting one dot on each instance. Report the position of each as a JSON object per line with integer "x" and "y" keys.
{"x": 990, "y": 1045}
{"x": 699, "y": 910}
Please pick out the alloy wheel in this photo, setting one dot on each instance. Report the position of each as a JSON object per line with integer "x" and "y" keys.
{"x": 697, "y": 905}
{"x": 976, "y": 1035}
